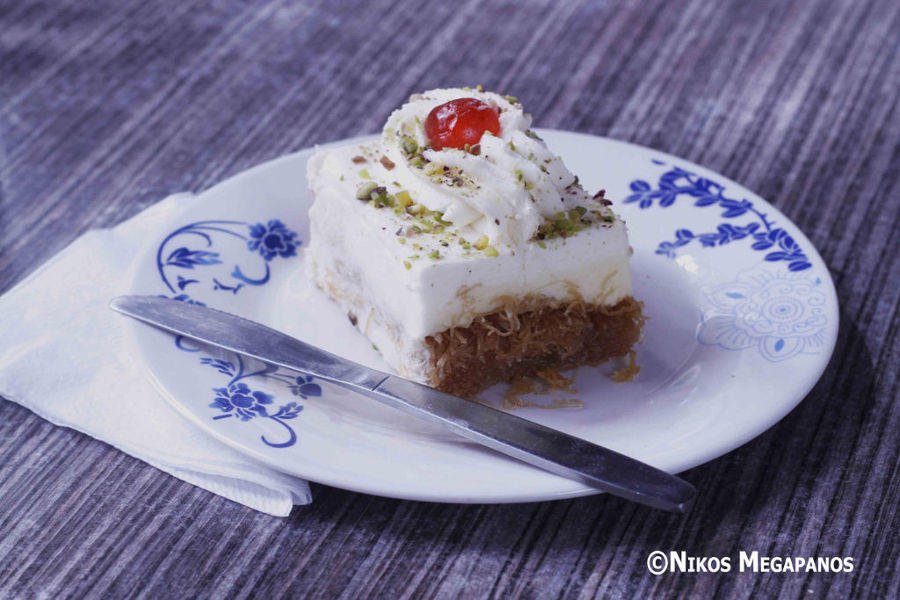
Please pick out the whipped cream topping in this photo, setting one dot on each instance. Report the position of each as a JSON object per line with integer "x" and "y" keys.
{"x": 506, "y": 191}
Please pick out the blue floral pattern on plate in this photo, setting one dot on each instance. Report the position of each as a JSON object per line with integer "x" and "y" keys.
{"x": 680, "y": 183}
{"x": 178, "y": 261}
{"x": 780, "y": 314}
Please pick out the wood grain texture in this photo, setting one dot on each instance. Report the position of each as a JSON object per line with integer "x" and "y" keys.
{"x": 107, "y": 106}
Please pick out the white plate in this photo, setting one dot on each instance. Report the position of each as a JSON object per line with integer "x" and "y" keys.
{"x": 742, "y": 313}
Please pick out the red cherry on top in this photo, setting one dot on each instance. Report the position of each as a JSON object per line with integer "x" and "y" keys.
{"x": 459, "y": 122}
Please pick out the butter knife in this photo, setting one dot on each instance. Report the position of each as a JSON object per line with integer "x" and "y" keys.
{"x": 514, "y": 436}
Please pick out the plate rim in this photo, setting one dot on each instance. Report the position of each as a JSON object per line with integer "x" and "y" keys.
{"x": 135, "y": 330}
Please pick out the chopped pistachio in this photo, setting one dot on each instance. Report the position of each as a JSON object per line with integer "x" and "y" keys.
{"x": 409, "y": 145}
{"x": 403, "y": 198}
{"x": 491, "y": 251}
{"x": 511, "y": 145}
{"x": 482, "y": 242}
{"x": 577, "y": 212}
{"x": 439, "y": 217}
{"x": 479, "y": 87}
{"x": 533, "y": 135}
{"x": 364, "y": 173}
{"x": 542, "y": 244}
{"x": 365, "y": 190}
{"x": 511, "y": 99}
{"x": 407, "y": 265}
{"x": 380, "y": 197}
{"x": 401, "y": 240}
{"x": 434, "y": 255}
{"x": 520, "y": 177}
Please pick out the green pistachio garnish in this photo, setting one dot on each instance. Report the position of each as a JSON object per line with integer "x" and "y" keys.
{"x": 520, "y": 177}
{"x": 365, "y": 190}
{"x": 542, "y": 244}
{"x": 577, "y": 212}
{"x": 563, "y": 224}
{"x": 439, "y": 217}
{"x": 380, "y": 197}
{"x": 403, "y": 199}
{"x": 511, "y": 145}
{"x": 482, "y": 242}
{"x": 491, "y": 251}
{"x": 407, "y": 265}
{"x": 409, "y": 145}
{"x": 533, "y": 135}
{"x": 364, "y": 173}
{"x": 511, "y": 99}
{"x": 479, "y": 87}
{"x": 434, "y": 255}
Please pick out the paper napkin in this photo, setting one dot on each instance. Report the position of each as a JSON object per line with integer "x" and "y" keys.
{"x": 64, "y": 355}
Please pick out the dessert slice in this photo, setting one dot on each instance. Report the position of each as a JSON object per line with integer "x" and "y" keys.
{"x": 465, "y": 250}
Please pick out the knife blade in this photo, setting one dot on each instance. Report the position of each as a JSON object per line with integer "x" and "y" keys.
{"x": 529, "y": 442}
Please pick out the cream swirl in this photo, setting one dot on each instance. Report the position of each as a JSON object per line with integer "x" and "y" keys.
{"x": 505, "y": 192}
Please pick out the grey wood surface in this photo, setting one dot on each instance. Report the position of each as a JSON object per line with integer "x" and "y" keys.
{"x": 107, "y": 106}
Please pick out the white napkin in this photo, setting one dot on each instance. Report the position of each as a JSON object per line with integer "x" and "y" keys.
{"x": 63, "y": 355}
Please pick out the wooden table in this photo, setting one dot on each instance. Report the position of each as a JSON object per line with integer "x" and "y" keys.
{"x": 107, "y": 106}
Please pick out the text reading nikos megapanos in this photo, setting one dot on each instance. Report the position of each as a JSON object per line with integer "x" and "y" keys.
{"x": 679, "y": 561}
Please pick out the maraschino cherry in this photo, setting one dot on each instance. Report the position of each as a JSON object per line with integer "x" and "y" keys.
{"x": 460, "y": 123}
